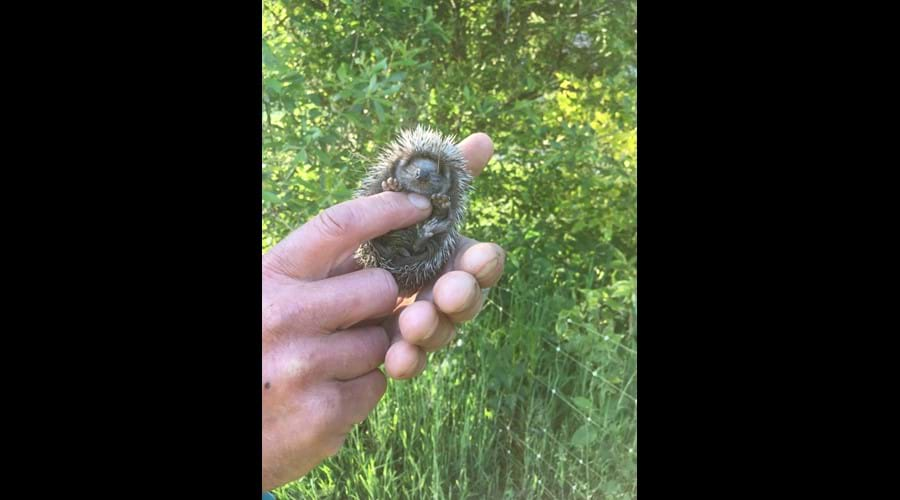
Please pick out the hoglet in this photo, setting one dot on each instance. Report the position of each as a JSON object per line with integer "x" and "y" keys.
{"x": 421, "y": 161}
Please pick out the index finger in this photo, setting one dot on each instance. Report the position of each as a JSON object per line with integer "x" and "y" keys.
{"x": 314, "y": 250}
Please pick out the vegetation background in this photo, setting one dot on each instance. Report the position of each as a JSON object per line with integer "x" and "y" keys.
{"x": 537, "y": 397}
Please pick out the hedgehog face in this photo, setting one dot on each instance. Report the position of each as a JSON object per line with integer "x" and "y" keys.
{"x": 423, "y": 175}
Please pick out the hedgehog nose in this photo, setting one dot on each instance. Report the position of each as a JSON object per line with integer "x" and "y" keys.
{"x": 420, "y": 175}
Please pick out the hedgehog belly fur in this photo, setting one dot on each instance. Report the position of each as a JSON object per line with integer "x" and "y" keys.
{"x": 410, "y": 273}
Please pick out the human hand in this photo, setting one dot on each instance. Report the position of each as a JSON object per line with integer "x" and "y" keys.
{"x": 320, "y": 364}
{"x": 321, "y": 346}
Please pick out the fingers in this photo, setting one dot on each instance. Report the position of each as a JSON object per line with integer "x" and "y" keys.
{"x": 404, "y": 360}
{"x": 353, "y": 353}
{"x": 427, "y": 324}
{"x": 477, "y": 150}
{"x": 455, "y": 297}
{"x": 343, "y": 355}
{"x": 422, "y": 325}
{"x": 324, "y": 243}
{"x": 458, "y": 295}
{"x": 484, "y": 261}
{"x": 345, "y": 300}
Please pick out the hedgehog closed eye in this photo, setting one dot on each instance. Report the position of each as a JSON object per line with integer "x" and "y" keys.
{"x": 421, "y": 161}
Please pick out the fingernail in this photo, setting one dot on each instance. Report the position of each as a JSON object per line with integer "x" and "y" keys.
{"x": 419, "y": 201}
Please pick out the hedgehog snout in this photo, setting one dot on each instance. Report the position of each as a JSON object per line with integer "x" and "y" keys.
{"x": 424, "y": 168}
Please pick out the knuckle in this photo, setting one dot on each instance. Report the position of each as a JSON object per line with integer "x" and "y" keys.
{"x": 279, "y": 316}
{"x": 272, "y": 316}
{"x": 388, "y": 201}
{"x": 332, "y": 222}
{"x": 330, "y": 405}
{"x": 394, "y": 206}
{"x": 303, "y": 363}
{"x": 274, "y": 264}
{"x": 284, "y": 313}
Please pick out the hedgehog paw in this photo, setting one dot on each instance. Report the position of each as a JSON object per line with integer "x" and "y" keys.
{"x": 391, "y": 184}
{"x": 440, "y": 201}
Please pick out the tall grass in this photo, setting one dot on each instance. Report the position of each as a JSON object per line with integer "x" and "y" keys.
{"x": 500, "y": 414}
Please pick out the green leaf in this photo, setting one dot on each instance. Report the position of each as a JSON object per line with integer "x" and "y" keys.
{"x": 584, "y": 436}
{"x": 293, "y": 78}
{"x": 271, "y": 197}
{"x": 372, "y": 83}
{"x": 300, "y": 157}
{"x": 378, "y": 110}
{"x": 310, "y": 185}
{"x": 273, "y": 86}
{"x": 583, "y": 403}
{"x": 396, "y": 77}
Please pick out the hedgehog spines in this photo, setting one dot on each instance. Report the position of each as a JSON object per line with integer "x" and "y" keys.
{"x": 394, "y": 251}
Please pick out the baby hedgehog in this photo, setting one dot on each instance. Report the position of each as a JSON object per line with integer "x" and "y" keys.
{"x": 425, "y": 162}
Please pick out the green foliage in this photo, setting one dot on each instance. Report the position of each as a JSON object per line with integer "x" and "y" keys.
{"x": 340, "y": 79}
